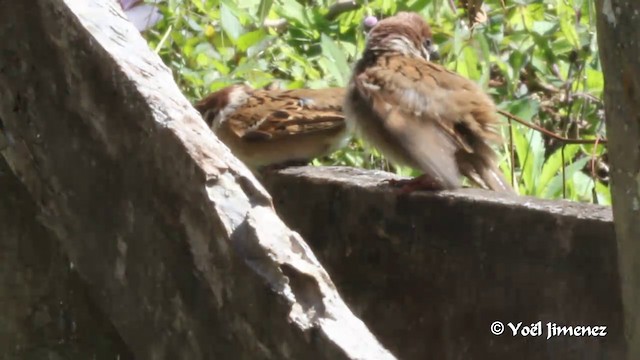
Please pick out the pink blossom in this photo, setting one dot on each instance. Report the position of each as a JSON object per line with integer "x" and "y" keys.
{"x": 142, "y": 15}
{"x": 370, "y": 21}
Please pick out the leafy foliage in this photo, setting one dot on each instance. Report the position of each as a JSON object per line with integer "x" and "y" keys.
{"x": 538, "y": 59}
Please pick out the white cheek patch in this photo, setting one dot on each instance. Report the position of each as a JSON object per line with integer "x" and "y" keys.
{"x": 403, "y": 46}
{"x": 237, "y": 98}
{"x": 425, "y": 53}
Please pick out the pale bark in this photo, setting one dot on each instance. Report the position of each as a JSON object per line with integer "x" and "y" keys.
{"x": 618, "y": 40}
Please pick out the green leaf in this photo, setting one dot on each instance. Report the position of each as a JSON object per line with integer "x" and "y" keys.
{"x": 484, "y": 61}
{"x": 234, "y": 6}
{"x": 199, "y": 4}
{"x": 418, "y": 5}
{"x": 604, "y": 193}
{"x": 249, "y": 39}
{"x": 570, "y": 33}
{"x": 306, "y": 67}
{"x": 293, "y": 11}
{"x": 533, "y": 168}
{"x": 543, "y": 28}
{"x": 554, "y": 163}
{"x": 337, "y": 64}
{"x": 220, "y": 66}
{"x": 581, "y": 185}
{"x": 554, "y": 189}
{"x": 528, "y": 145}
{"x": 524, "y": 108}
{"x": 566, "y": 15}
{"x": 263, "y": 10}
{"x": 595, "y": 81}
{"x": 468, "y": 63}
{"x": 230, "y": 23}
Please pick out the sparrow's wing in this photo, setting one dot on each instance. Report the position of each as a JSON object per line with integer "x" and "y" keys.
{"x": 470, "y": 114}
{"x": 429, "y": 113}
{"x": 270, "y": 115}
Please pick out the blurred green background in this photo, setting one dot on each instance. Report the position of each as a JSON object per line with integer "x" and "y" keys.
{"x": 538, "y": 59}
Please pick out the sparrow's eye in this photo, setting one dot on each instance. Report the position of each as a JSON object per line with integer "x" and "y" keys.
{"x": 431, "y": 50}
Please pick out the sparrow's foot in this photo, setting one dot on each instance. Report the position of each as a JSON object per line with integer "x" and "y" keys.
{"x": 422, "y": 182}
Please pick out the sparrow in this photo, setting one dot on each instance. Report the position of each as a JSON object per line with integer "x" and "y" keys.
{"x": 274, "y": 127}
{"x": 418, "y": 113}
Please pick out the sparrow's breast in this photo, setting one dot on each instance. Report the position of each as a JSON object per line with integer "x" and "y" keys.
{"x": 257, "y": 153}
{"x": 365, "y": 123}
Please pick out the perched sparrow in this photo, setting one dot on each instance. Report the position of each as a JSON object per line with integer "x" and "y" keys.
{"x": 420, "y": 114}
{"x": 274, "y": 127}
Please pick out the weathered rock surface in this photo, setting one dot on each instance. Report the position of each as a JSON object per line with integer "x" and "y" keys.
{"x": 178, "y": 244}
{"x": 429, "y": 273}
{"x": 46, "y": 311}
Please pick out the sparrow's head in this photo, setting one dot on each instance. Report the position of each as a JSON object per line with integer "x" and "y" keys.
{"x": 217, "y": 105}
{"x": 406, "y": 32}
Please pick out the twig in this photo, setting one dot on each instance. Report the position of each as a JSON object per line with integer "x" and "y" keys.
{"x": 452, "y": 4}
{"x": 512, "y": 155}
{"x": 593, "y": 161}
{"x": 340, "y": 7}
{"x": 586, "y": 96}
{"x": 164, "y": 38}
{"x": 564, "y": 176}
{"x": 549, "y": 133}
{"x": 568, "y": 100}
{"x": 594, "y": 194}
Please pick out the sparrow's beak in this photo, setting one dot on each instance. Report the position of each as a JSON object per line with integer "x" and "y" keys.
{"x": 433, "y": 52}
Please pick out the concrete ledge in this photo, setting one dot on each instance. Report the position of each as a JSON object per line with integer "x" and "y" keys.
{"x": 430, "y": 272}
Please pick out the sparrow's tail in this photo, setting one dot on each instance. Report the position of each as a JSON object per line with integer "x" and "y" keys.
{"x": 494, "y": 180}
{"x": 483, "y": 171}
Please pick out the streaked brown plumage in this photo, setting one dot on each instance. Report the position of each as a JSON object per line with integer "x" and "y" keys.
{"x": 265, "y": 127}
{"x": 419, "y": 114}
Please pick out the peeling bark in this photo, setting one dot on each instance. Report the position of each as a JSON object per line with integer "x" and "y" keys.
{"x": 618, "y": 39}
{"x": 177, "y": 241}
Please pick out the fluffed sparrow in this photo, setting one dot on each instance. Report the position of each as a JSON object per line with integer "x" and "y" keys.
{"x": 418, "y": 113}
